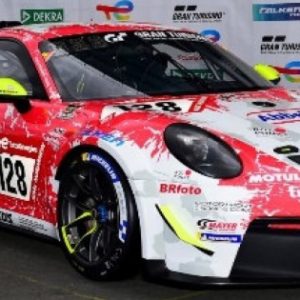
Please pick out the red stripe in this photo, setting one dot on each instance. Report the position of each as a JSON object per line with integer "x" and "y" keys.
{"x": 287, "y": 71}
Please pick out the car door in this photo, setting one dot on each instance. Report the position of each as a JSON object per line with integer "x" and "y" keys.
{"x": 21, "y": 140}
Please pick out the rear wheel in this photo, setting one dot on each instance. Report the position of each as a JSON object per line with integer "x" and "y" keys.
{"x": 97, "y": 218}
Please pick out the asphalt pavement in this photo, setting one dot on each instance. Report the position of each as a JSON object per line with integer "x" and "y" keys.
{"x": 36, "y": 269}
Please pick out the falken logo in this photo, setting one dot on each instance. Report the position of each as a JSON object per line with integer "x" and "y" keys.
{"x": 277, "y": 45}
{"x": 190, "y": 13}
{"x": 276, "y": 12}
{"x": 280, "y": 117}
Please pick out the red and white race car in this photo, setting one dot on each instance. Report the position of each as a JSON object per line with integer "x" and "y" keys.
{"x": 128, "y": 138}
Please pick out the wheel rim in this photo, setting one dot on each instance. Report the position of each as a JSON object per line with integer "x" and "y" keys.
{"x": 90, "y": 214}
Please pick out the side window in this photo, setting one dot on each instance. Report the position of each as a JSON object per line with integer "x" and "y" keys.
{"x": 11, "y": 66}
{"x": 16, "y": 63}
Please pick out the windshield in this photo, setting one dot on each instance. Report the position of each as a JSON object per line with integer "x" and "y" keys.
{"x": 126, "y": 64}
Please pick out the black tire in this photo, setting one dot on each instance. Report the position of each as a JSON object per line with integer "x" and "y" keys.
{"x": 97, "y": 218}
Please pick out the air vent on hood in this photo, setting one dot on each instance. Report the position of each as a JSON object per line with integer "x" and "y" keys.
{"x": 263, "y": 104}
{"x": 288, "y": 149}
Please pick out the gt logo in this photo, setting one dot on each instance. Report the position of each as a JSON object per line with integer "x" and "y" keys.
{"x": 115, "y": 37}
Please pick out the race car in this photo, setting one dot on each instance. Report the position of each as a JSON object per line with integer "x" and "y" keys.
{"x": 130, "y": 142}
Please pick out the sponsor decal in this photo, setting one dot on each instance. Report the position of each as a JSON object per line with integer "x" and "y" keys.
{"x": 276, "y": 177}
{"x": 189, "y": 57}
{"x": 195, "y": 14}
{"x": 120, "y": 11}
{"x": 28, "y": 223}
{"x": 263, "y": 132}
{"x": 37, "y": 170}
{"x": 200, "y": 73}
{"x": 276, "y": 12}
{"x": 232, "y": 238}
{"x": 6, "y": 217}
{"x": 212, "y": 34}
{"x": 217, "y": 226}
{"x": 108, "y": 137}
{"x": 181, "y": 189}
{"x": 53, "y": 137}
{"x": 168, "y": 35}
{"x": 40, "y": 16}
{"x": 294, "y": 192}
{"x": 31, "y": 224}
{"x": 103, "y": 163}
{"x": 115, "y": 37}
{"x": 68, "y": 112}
{"x": 281, "y": 117}
{"x": 276, "y": 44}
{"x": 182, "y": 174}
{"x": 7, "y": 144}
{"x": 220, "y": 206}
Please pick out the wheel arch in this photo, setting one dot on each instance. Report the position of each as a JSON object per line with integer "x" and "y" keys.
{"x": 78, "y": 150}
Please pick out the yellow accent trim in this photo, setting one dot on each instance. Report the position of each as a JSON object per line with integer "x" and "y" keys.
{"x": 84, "y": 156}
{"x": 180, "y": 229}
{"x": 11, "y": 87}
{"x": 65, "y": 237}
{"x": 267, "y": 72}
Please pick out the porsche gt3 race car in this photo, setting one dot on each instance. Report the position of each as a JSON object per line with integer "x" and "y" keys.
{"x": 129, "y": 138}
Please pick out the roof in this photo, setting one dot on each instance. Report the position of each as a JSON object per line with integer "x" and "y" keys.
{"x": 52, "y": 30}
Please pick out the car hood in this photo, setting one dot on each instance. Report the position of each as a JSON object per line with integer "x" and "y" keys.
{"x": 266, "y": 119}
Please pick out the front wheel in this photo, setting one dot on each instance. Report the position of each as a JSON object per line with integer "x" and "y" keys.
{"x": 97, "y": 218}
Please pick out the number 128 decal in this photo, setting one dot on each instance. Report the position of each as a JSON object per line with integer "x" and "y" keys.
{"x": 173, "y": 106}
{"x": 16, "y": 175}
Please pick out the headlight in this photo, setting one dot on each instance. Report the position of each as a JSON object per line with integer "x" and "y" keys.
{"x": 202, "y": 152}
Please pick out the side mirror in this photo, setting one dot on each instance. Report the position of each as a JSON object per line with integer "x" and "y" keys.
{"x": 267, "y": 72}
{"x": 11, "y": 91}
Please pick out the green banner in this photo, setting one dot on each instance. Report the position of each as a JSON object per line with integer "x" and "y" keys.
{"x": 39, "y": 16}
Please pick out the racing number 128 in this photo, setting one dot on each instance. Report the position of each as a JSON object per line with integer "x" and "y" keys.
{"x": 164, "y": 106}
{"x": 12, "y": 171}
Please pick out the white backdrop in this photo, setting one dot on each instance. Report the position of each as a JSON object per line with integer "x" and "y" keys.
{"x": 259, "y": 31}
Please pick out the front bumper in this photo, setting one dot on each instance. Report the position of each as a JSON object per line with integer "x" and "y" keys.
{"x": 269, "y": 255}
